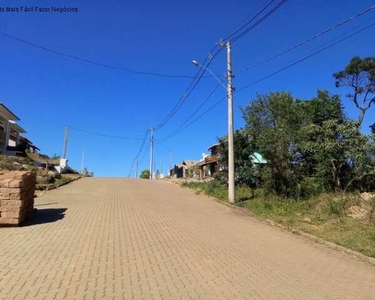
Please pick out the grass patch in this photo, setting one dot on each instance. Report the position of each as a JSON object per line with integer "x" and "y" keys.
{"x": 211, "y": 188}
{"x": 61, "y": 181}
{"x": 324, "y": 216}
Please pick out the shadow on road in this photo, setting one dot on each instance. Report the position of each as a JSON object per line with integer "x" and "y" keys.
{"x": 46, "y": 215}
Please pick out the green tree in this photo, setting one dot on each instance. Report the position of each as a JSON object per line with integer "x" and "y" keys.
{"x": 359, "y": 75}
{"x": 322, "y": 108}
{"x": 317, "y": 112}
{"x": 340, "y": 153}
{"x": 273, "y": 121}
{"x": 145, "y": 174}
{"x": 245, "y": 172}
{"x": 310, "y": 146}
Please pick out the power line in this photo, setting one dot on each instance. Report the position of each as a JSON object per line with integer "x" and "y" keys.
{"x": 235, "y": 38}
{"x": 208, "y": 61}
{"x": 143, "y": 142}
{"x": 144, "y": 155}
{"x": 194, "y": 83}
{"x": 305, "y": 58}
{"x": 189, "y": 118}
{"x": 91, "y": 61}
{"x": 309, "y": 39}
{"x": 106, "y": 135}
{"x": 193, "y": 121}
{"x": 136, "y": 158}
{"x": 251, "y": 20}
{"x": 264, "y": 78}
{"x": 268, "y": 14}
{"x": 204, "y": 68}
{"x": 189, "y": 89}
{"x": 131, "y": 170}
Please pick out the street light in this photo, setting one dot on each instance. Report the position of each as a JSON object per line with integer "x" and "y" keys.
{"x": 229, "y": 89}
{"x": 197, "y": 64}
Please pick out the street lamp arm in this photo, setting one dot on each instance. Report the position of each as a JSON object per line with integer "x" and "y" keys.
{"x": 195, "y": 63}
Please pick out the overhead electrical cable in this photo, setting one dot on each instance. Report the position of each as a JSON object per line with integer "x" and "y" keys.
{"x": 131, "y": 169}
{"x": 247, "y": 23}
{"x": 190, "y": 117}
{"x": 208, "y": 61}
{"x": 192, "y": 122}
{"x": 266, "y": 77}
{"x": 136, "y": 158}
{"x": 268, "y": 14}
{"x": 106, "y": 135}
{"x": 93, "y": 62}
{"x": 189, "y": 89}
{"x": 233, "y": 37}
{"x": 305, "y": 58}
{"x": 144, "y": 154}
{"x": 309, "y": 39}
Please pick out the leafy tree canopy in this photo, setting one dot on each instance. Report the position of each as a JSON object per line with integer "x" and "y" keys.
{"x": 310, "y": 146}
{"x": 246, "y": 172}
{"x": 359, "y": 75}
{"x": 145, "y": 174}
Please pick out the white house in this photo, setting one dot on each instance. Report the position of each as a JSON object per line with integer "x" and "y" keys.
{"x": 10, "y": 132}
{"x": 6, "y": 119}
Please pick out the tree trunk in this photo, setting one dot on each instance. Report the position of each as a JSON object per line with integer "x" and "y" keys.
{"x": 361, "y": 116}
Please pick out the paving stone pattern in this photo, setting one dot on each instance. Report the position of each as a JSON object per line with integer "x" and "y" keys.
{"x": 101, "y": 238}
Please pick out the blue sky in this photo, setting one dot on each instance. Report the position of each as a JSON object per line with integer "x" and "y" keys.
{"x": 48, "y": 91}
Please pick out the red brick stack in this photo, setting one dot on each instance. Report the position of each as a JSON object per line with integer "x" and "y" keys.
{"x": 16, "y": 196}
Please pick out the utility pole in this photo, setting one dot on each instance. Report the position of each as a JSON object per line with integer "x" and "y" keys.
{"x": 229, "y": 89}
{"x": 83, "y": 159}
{"x": 161, "y": 164}
{"x": 151, "y": 152}
{"x": 170, "y": 161}
{"x": 231, "y": 186}
{"x": 65, "y": 149}
{"x": 136, "y": 167}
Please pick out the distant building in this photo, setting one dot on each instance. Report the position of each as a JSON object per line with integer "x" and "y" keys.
{"x": 184, "y": 170}
{"x": 11, "y": 141}
{"x": 209, "y": 165}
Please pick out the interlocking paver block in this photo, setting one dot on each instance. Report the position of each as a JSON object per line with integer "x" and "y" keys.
{"x": 139, "y": 239}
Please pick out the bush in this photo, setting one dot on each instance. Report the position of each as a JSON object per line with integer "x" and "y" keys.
{"x": 145, "y": 174}
{"x": 307, "y": 188}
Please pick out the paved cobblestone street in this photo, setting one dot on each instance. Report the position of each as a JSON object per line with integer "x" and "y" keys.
{"x": 134, "y": 239}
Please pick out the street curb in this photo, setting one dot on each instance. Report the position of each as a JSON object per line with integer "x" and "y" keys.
{"x": 318, "y": 240}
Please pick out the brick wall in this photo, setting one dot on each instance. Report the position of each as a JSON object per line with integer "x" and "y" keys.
{"x": 16, "y": 196}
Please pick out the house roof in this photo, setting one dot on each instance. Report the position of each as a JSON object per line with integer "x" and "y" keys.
{"x": 257, "y": 158}
{"x": 27, "y": 141}
{"x": 7, "y": 113}
{"x": 213, "y": 146}
{"x": 190, "y": 163}
{"x": 201, "y": 163}
{"x": 16, "y": 127}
